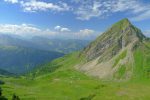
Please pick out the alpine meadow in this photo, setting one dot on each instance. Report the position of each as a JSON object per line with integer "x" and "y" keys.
{"x": 74, "y": 50}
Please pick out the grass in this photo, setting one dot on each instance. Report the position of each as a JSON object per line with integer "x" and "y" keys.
{"x": 65, "y": 83}
{"x": 63, "y": 63}
{"x": 142, "y": 63}
{"x": 120, "y": 73}
{"x": 73, "y": 85}
{"x": 121, "y": 56}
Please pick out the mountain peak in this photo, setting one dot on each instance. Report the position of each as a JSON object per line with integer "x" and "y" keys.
{"x": 119, "y": 36}
{"x": 122, "y": 24}
{"x": 114, "y": 51}
{"x": 124, "y": 20}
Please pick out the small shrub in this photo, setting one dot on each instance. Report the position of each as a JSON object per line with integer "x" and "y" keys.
{"x": 15, "y": 97}
{"x": 2, "y": 97}
{"x": 1, "y": 82}
{"x": 90, "y": 97}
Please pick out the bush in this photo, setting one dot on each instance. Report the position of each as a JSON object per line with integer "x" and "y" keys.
{"x": 0, "y": 91}
{"x": 1, "y": 82}
{"x": 15, "y": 97}
{"x": 90, "y": 97}
{"x": 2, "y": 97}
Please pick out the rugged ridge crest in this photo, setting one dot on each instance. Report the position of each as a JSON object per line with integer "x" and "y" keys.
{"x": 111, "y": 55}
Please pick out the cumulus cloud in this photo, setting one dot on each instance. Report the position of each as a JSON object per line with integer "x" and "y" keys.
{"x": 142, "y": 16}
{"x": 34, "y": 6}
{"x": 147, "y": 33}
{"x": 86, "y": 12}
{"x": 86, "y": 34}
{"x": 88, "y": 9}
{"x": 81, "y": 34}
{"x": 29, "y": 30}
{"x": 11, "y": 1}
{"x": 37, "y": 5}
{"x": 18, "y": 29}
{"x": 57, "y": 27}
{"x": 65, "y": 30}
{"x": 23, "y": 30}
{"x": 62, "y": 29}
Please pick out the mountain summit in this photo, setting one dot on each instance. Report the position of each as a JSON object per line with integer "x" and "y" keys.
{"x": 120, "y": 35}
{"x": 113, "y": 55}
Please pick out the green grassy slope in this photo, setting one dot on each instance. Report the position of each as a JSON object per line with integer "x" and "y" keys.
{"x": 142, "y": 61}
{"x": 65, "y": 83}
{"x": 72, "y": 85}
{"x": 62, "y": 63}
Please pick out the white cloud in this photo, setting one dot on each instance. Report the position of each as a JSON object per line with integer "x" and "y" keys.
{"x": 62, "y": 29}
{"x": 147, "y": 33}
{"x": 142, "y": 16}
{"x": 81, "y": 34}
{"x": 37, "y": 5}
{"x": 24, "y": 30}
{"x": 11, "y": 1}
{"x": 18, "y": 29}
{"x": 28, "y": 30}
{"x": 34, "y": 6}
{"x": 86, "y": 32}
{"x": 57, "y": 27}
{"x": 65, "y": 30}
{"x": 88, "y": 9}
{"x": 132, "y": 5}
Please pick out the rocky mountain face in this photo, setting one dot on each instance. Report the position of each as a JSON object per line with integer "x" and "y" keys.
{"x": 113, "y": 40}
{"x": 111, "y": 56}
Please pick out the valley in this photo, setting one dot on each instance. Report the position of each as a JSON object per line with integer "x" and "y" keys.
{"x": 20, "y": 55}
{"x": 74, "y": 49}
{"x": 115, "y": 66}
{"x": 66, "y": 83}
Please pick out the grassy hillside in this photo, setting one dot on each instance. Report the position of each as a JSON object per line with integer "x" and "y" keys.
{"x": 142, "y": 61}
{"x": 66, "y": 62}
{"x": 65, "y": 83}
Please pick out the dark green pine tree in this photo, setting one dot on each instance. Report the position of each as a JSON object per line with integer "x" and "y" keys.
{"x": 2, "y": 97}
{"x": 0, "y": 91}
{"x": 15, "y": 97}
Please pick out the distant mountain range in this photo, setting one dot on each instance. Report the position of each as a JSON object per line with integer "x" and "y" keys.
{"x": 20, "y": 59}
{"x": 44, "y": 43}
{"x": 60, "y": 45}
{"x": 19, "y": 55}
{"x": 6, "y": 73}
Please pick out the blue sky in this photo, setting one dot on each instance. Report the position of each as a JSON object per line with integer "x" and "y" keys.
{"x": 82, "y": 19}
